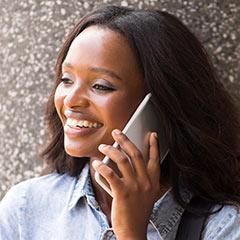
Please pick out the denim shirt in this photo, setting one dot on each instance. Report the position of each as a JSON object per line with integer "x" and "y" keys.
{"x": 61, "y": 207}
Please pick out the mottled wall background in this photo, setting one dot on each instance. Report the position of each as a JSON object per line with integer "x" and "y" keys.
{"x": 31, "y": 32}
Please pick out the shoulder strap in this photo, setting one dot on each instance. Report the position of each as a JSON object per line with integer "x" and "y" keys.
{"x": 191, "y": 225}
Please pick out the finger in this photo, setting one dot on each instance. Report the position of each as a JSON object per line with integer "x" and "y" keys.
{"x": 119, "y": 158}
{"x": 153, "y": 166}
{"x": 112, "y": 178}
{"x": 132, "y": 151}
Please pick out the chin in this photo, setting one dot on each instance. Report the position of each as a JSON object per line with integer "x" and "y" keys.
{"x": 76, "y": 153}
{"x": 82, "y": 153}
{"x": 73, "y": 153}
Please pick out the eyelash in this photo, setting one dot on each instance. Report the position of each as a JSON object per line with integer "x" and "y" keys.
{"x": 102, "y": 87}
{"x": 66, "y": 80}
{"x": 97, "y": 86}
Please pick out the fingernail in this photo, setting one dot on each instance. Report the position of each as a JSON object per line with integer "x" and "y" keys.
{"x": 155, "y": 135}
{"x": 116, "y": 131}
{"x": 96, "y": 163}
{"x": 101, "y": 146}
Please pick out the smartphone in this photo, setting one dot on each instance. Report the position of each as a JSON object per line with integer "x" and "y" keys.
{"x": 144, "y": 120}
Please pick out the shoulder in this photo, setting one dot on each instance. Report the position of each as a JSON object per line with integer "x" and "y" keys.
{"x": 32, "y": 188}
{"x": 26, "y": 199}
{"x": 223, "y": 225}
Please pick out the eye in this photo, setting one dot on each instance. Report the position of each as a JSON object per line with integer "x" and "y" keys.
{"x": 102, "y": 87}
{"x": 65, "y": 80}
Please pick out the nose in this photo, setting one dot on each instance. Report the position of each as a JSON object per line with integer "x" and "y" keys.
{"x": 76, "y": 97}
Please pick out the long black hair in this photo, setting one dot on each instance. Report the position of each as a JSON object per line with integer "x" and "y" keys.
{"x": 199, "y": 115}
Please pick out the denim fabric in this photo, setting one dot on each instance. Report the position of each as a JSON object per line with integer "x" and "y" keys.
{"x": 57, "y": 207}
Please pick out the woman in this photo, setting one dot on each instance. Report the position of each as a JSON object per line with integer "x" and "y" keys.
{"x": 110, "y": 60}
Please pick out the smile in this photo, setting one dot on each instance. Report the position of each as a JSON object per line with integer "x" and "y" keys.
{"x": 81, "y": 128}
{"x": 82, "y": 123}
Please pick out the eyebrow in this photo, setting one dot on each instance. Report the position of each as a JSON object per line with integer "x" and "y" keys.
{"x": 97, "y": 70}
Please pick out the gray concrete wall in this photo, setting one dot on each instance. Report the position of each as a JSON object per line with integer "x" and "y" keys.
{"x": 30, "y": 36}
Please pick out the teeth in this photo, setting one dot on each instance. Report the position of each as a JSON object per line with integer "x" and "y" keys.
{"x": 86, "y": 124}
{"x": 82, "y": 123}
{"x": 74, "y": 122}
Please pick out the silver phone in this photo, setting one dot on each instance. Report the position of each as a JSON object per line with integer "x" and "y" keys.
{"x": 138, "y": 129}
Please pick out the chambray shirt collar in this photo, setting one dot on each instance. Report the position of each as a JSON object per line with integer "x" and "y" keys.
{"x": 83, "y": 188}
{"x": 166, "y": 212}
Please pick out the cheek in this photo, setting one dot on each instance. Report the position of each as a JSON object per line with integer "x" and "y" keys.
{"x": 118, "y": 111}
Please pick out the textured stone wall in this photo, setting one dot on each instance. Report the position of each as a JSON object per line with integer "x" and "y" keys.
{"x": 30, "y": 36}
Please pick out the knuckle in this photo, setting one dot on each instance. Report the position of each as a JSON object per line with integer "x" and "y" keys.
{"x": 110, "y": 174}
{"x": 147, "y": 187}
{"x": 123, "y": 139}
{"x": 136, "y": 154}
{"x": 123, "y": 136}
{"x": 154, "y": 161}
{"x": 135, "y": 187}
{"x": 123, "y": 160}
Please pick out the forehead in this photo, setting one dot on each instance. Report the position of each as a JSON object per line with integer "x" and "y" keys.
{"x": 102, "y": 47}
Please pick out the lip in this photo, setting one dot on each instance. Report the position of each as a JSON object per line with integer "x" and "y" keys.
{"x": 79, "y": 116}
{"x": 75, "y": 132}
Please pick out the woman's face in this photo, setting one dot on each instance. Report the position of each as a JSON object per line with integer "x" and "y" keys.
{"x": 101, "y": 87}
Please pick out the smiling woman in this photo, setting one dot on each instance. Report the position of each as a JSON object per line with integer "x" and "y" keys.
{"x": 91, "y": 87}
{"x": 112, "y": 58}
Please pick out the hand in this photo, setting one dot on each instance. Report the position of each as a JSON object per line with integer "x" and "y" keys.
{"x": 135, "y": 193}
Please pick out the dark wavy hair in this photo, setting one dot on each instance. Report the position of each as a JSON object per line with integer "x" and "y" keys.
{"x": 200, "y": 117}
